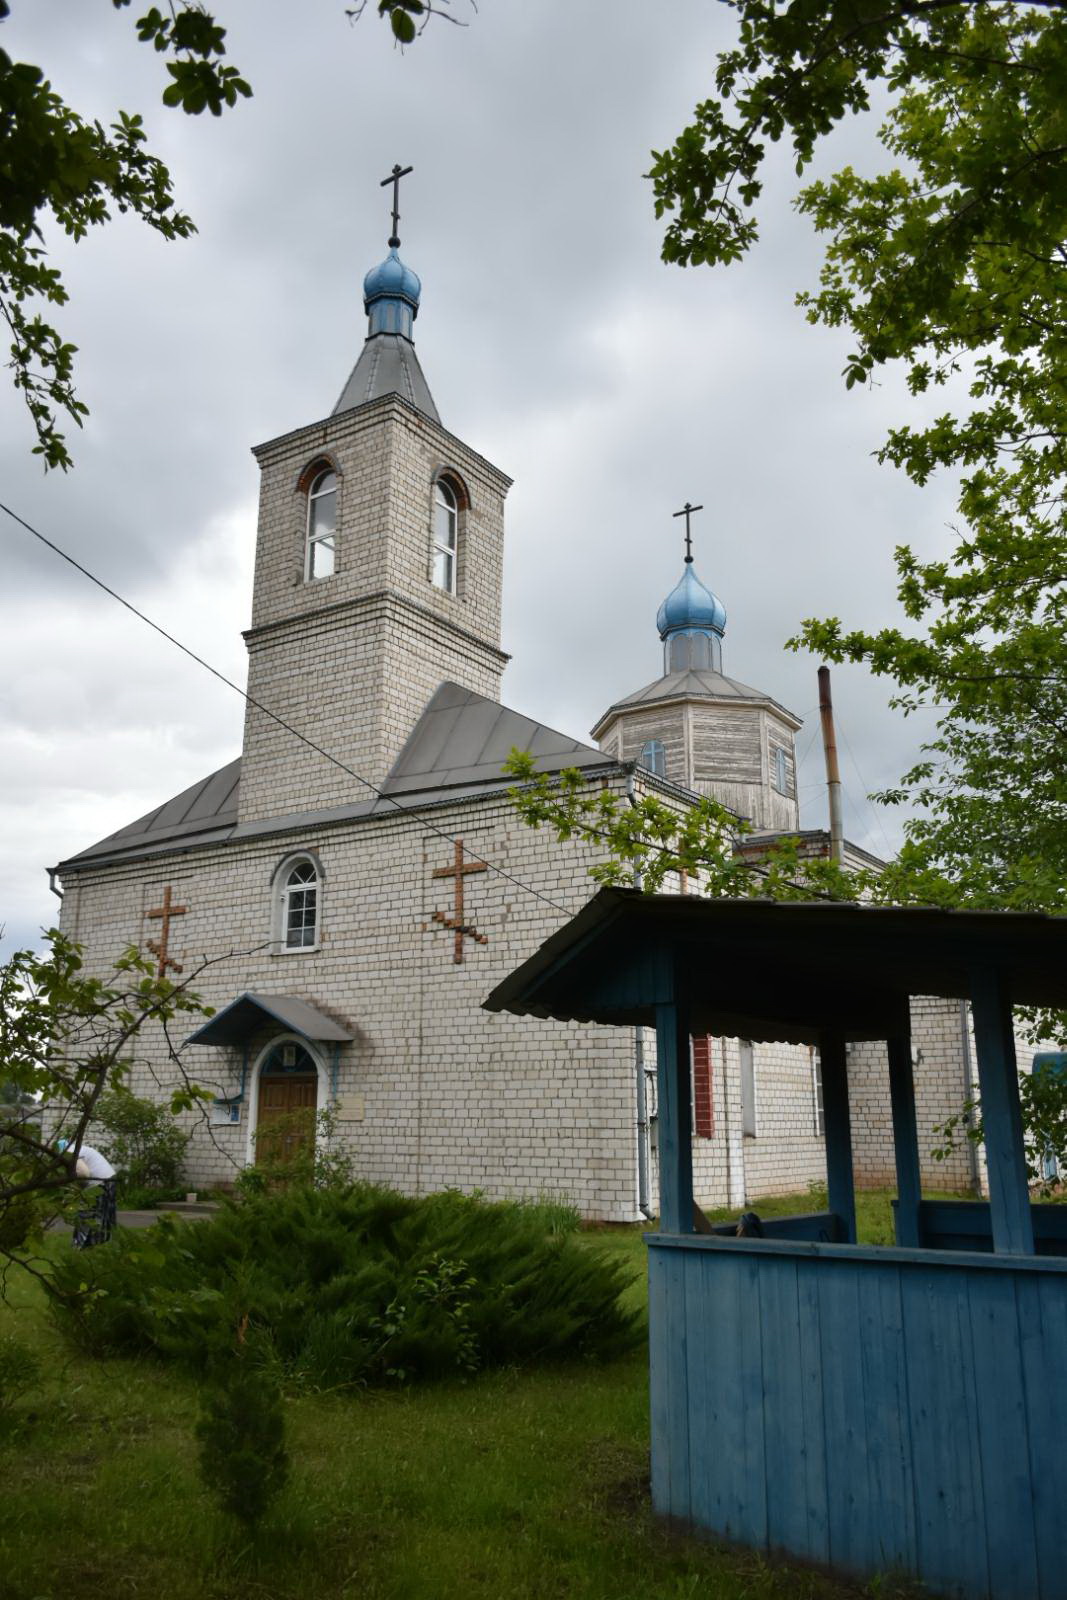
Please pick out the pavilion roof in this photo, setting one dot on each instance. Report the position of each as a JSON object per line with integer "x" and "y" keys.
{"x": 772, "y": 970}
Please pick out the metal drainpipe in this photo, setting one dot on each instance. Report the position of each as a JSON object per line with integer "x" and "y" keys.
{"x": 968, "y": 1090}
{"x": 726, "y": 1123}
{"x": 52, "y": 883}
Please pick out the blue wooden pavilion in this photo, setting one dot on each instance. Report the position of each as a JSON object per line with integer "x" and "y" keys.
{"x": 873, "y": 1409}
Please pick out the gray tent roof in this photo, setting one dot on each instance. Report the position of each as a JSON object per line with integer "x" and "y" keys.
{"x": 693, "y": 684}
{"x": 387, "y": 365}
{"x": 247, "y": 1014}
{"x": 456, "y": 748}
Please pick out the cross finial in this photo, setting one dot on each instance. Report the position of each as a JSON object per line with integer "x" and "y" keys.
{"x": 394, "y": 178}
{"x": 686, "y": 512}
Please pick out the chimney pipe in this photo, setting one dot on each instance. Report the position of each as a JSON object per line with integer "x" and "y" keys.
{"x": 833, "y": 776}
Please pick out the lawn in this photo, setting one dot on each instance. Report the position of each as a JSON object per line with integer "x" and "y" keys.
{"x": 528, "y": 1485}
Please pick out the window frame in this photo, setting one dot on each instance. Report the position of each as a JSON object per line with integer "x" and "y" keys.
{"x": 658, "y": 764}
{"x": 444, "y": 486}
{"x": 749, "y": 1101}
{"x": 313, "y": 539}
{"x": 780, "y": 775}
{"x": 283, "y": 892}
{"x": 818, "y": 1109}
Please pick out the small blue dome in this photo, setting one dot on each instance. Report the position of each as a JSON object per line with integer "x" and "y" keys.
{"x": 690, "y": 605}
{"x": 391, "y": 277}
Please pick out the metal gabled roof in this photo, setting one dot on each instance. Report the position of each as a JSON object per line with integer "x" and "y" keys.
{"x": 462, "y": 739}
{"x": 456, "y": 750}
{"x": 247, "y": 1014}
{"x": 387, "y": 365}
{"x": 203, "y": 813}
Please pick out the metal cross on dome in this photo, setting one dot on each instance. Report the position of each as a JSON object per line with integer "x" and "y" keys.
{"x": 686, "y": 512}
{"x": 394, "y": 178}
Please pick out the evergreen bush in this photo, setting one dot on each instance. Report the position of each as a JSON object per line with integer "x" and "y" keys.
{"x": 20, "y": 1371}
{"x": 362, "y": 1286}
{"x": 241, "y": 1434}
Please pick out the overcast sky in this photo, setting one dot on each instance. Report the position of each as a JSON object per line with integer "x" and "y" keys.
{"x": 611, "y": 387}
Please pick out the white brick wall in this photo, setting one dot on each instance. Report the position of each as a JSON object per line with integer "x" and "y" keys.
{"x": 448, "y": 1094}
{"x": 351, "y": 660}
{"x": 452, "y": 1095}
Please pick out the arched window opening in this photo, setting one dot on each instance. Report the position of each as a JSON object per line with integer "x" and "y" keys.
{"x": 445, "y": 536}
{"x": 288, "y": 1056}
{"x": 653, "y": 757}
{"x": 322, "y": 526}
{"x": 297, "y": 905}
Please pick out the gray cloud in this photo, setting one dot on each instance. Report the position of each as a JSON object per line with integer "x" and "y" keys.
{"x": 612, "y": 387}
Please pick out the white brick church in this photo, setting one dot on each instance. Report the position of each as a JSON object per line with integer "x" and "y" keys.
{"x": 363, "y": 863}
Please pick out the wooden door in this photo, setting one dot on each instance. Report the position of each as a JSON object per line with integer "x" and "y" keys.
{"x": 285, "y": 1128}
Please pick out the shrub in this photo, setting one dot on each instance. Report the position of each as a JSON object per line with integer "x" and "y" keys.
{"x": 298, "y": 1149}
{"x": 353, "y": 1287}
{"x": 143, "y": 1143}
{"x": 20, "y": 1371}
{"x": 241, "y": 1432}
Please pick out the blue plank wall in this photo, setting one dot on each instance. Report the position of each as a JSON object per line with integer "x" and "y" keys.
{"x": 877, "y": 1410}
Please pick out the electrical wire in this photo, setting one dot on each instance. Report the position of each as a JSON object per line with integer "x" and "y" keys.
{"x": 866, "y": 794}
{"x": 410, "y": 811}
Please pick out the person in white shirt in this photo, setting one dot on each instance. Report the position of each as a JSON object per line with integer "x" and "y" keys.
{"x": 93, "y": 1165}
{"x": 94, "y": 1222}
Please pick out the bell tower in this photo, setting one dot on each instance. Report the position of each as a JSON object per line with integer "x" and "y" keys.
{"x": 379, "y": 563}
{"x": 701, "y": 729}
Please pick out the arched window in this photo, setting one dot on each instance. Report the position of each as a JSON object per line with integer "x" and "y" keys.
{"x": 653, "y": 757}
{"x": 445, "y": 535}
{"x": 297, "y": 905}
{"x": 322, "y": 526}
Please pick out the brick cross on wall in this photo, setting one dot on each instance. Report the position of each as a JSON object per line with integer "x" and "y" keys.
{"x": 159, "y": 948}
{"x": 459, "y": 870}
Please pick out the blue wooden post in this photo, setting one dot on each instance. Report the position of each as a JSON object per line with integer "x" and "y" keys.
{"x": 842, "y": 1197}
{"x": 675, "y": 1132}
{"x": 905, "y": 1134}
{"x": 998, "y": 1078}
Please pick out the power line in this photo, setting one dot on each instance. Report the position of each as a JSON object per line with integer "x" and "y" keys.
{"x": 866, "y": 795}
{"x": 410, "y": 811}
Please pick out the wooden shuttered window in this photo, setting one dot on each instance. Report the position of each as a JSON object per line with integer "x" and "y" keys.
{"x": 703, "y": 1093}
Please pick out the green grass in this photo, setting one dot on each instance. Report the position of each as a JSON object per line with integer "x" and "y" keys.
{"x": 874, "y": 1212}
{"x": 530, "y": 1485}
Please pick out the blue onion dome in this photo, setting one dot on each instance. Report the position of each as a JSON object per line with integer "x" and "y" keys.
{"x": 690, "y": 606}
{"x": 391, "y": 296}
{"x": 392, "y": 277}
